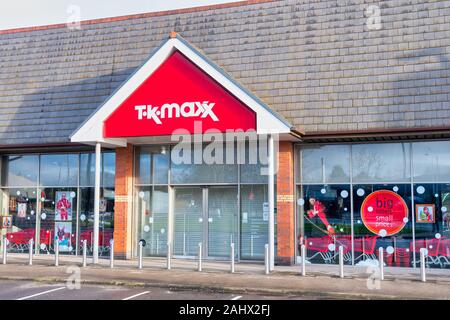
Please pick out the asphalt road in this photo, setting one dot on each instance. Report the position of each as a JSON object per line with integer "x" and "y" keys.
{"x": 27, "y": 290}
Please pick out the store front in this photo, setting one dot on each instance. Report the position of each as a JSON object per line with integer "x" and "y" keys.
{"x": 49, "y": 198}
{"x": 215, "y": 205}
{"x": 366, "y": 196}
{"x": 188, "y": 169}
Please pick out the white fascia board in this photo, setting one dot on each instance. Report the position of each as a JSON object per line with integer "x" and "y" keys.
{"x": 92, "y": 129}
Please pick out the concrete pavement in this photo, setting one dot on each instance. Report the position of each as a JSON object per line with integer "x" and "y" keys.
{"x": 321, "y": 281}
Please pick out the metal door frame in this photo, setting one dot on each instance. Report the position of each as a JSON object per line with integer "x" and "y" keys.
{"x": 205, "y": 218}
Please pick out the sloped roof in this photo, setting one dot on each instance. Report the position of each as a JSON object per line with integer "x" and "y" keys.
{"x": 314, "y": 62}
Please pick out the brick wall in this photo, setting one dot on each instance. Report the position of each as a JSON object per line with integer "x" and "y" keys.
{"x": 123, "y": 202}
{"x": 285, "y": 204}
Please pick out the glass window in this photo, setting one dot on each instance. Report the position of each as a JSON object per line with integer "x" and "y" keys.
{"x": 432, "y": 223}
{"x": 87, "y": 169}
{"x": 19, "y": 207}
{"x": 389, "y": 162}
{"x": 86, "y": 219}
{"x": 108, "y": 169}
{"x": 325, "y": 164}
{"x": 58, "y": 218}
{"x": 397, "y": 244}
{"x": 20, "y": 171}
{"x": 253, "y": 170}
{"x": 326, "y": 215}
{"x": 431, "y": 161}
{"x": 152, "y": 165}
{"x": 59, "y": 170}
{"x": 254, "y": 221}
{"x": 152, "y": 208}
{"x": 191, "y": 173}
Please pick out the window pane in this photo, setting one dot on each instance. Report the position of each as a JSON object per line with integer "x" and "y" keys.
{"x": 432, "y": 223}
{"x": 326, "y": 215}
{"x": 377, "y": 163}
{"x": 152, "y": 210}
{"x": 87, "y": 169}
{"x": 152, "y": 165}
{"x": 398, "y": 246}
{"x": 431, "y": 161}
{"x": 20, "y": 171}
{"x": 19, "y": 207}
{"x": 253, "y": 169}
{"x": 108, "y": 169}
{"x": 325, "y": 164}
{"x": 86, "y": 220}
{"x": 161, "y": 168}
{"x": 254, "y": 221}
{"x": 59, "y": 170}
{"x": 143, "y": 166}
{"x": 182, "y": 173}
{"x": 58, "y": 218}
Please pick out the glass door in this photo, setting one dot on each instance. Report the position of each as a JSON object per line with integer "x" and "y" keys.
{"x": 222, "y": 215}
{"x": 208, "y": 215}
{"x": 188, "y": 220}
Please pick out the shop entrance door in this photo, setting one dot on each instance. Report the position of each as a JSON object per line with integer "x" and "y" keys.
{"x": 208, "y": 215}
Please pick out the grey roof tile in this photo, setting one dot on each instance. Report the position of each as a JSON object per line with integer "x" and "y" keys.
{"x": 314, "y": 62}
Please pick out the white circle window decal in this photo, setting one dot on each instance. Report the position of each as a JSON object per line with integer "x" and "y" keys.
{"x": 420, "y": 189}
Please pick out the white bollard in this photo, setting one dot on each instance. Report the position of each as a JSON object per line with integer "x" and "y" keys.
{"x": 30, "y": 252}
{"x": 56, "y": 252}
{"x": 84, "y": 253}
{"x": 169, "y": 257}
{"x": 232, "y": 257}
{"x": 111, "y": 253}
{"x": 5, "y": 250}
{"x": 266, "y": 258}
{"x": 303, "y": 252}
{"x": 140, "y": 256}
{"x": 200, "y": 256}
{"x": 341, "y": 261}
{"x": 423, "y": 276}
{"x": 381, "y": 261}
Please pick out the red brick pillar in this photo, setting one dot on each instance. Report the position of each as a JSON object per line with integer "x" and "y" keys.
{"x": 123, "y": 202}
{"x": 285, "y": 204}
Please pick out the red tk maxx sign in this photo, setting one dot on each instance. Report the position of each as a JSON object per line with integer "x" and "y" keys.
{"x": 384, "y": 213}
{"x": 177, "y": 95}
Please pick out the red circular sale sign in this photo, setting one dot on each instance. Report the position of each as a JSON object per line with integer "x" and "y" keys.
{"x": 384, "y": 213}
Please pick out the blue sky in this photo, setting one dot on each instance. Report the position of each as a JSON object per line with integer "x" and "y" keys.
{"x": 25, "y": 13}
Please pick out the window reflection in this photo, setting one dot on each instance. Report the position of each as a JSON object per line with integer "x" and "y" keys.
{"x": 326, "y": 164}
{"x": 431, "y": 161}
{"x": 20, "y": 171}
{"x": 388, "y": 162}
{"x": 59, "y": 170}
